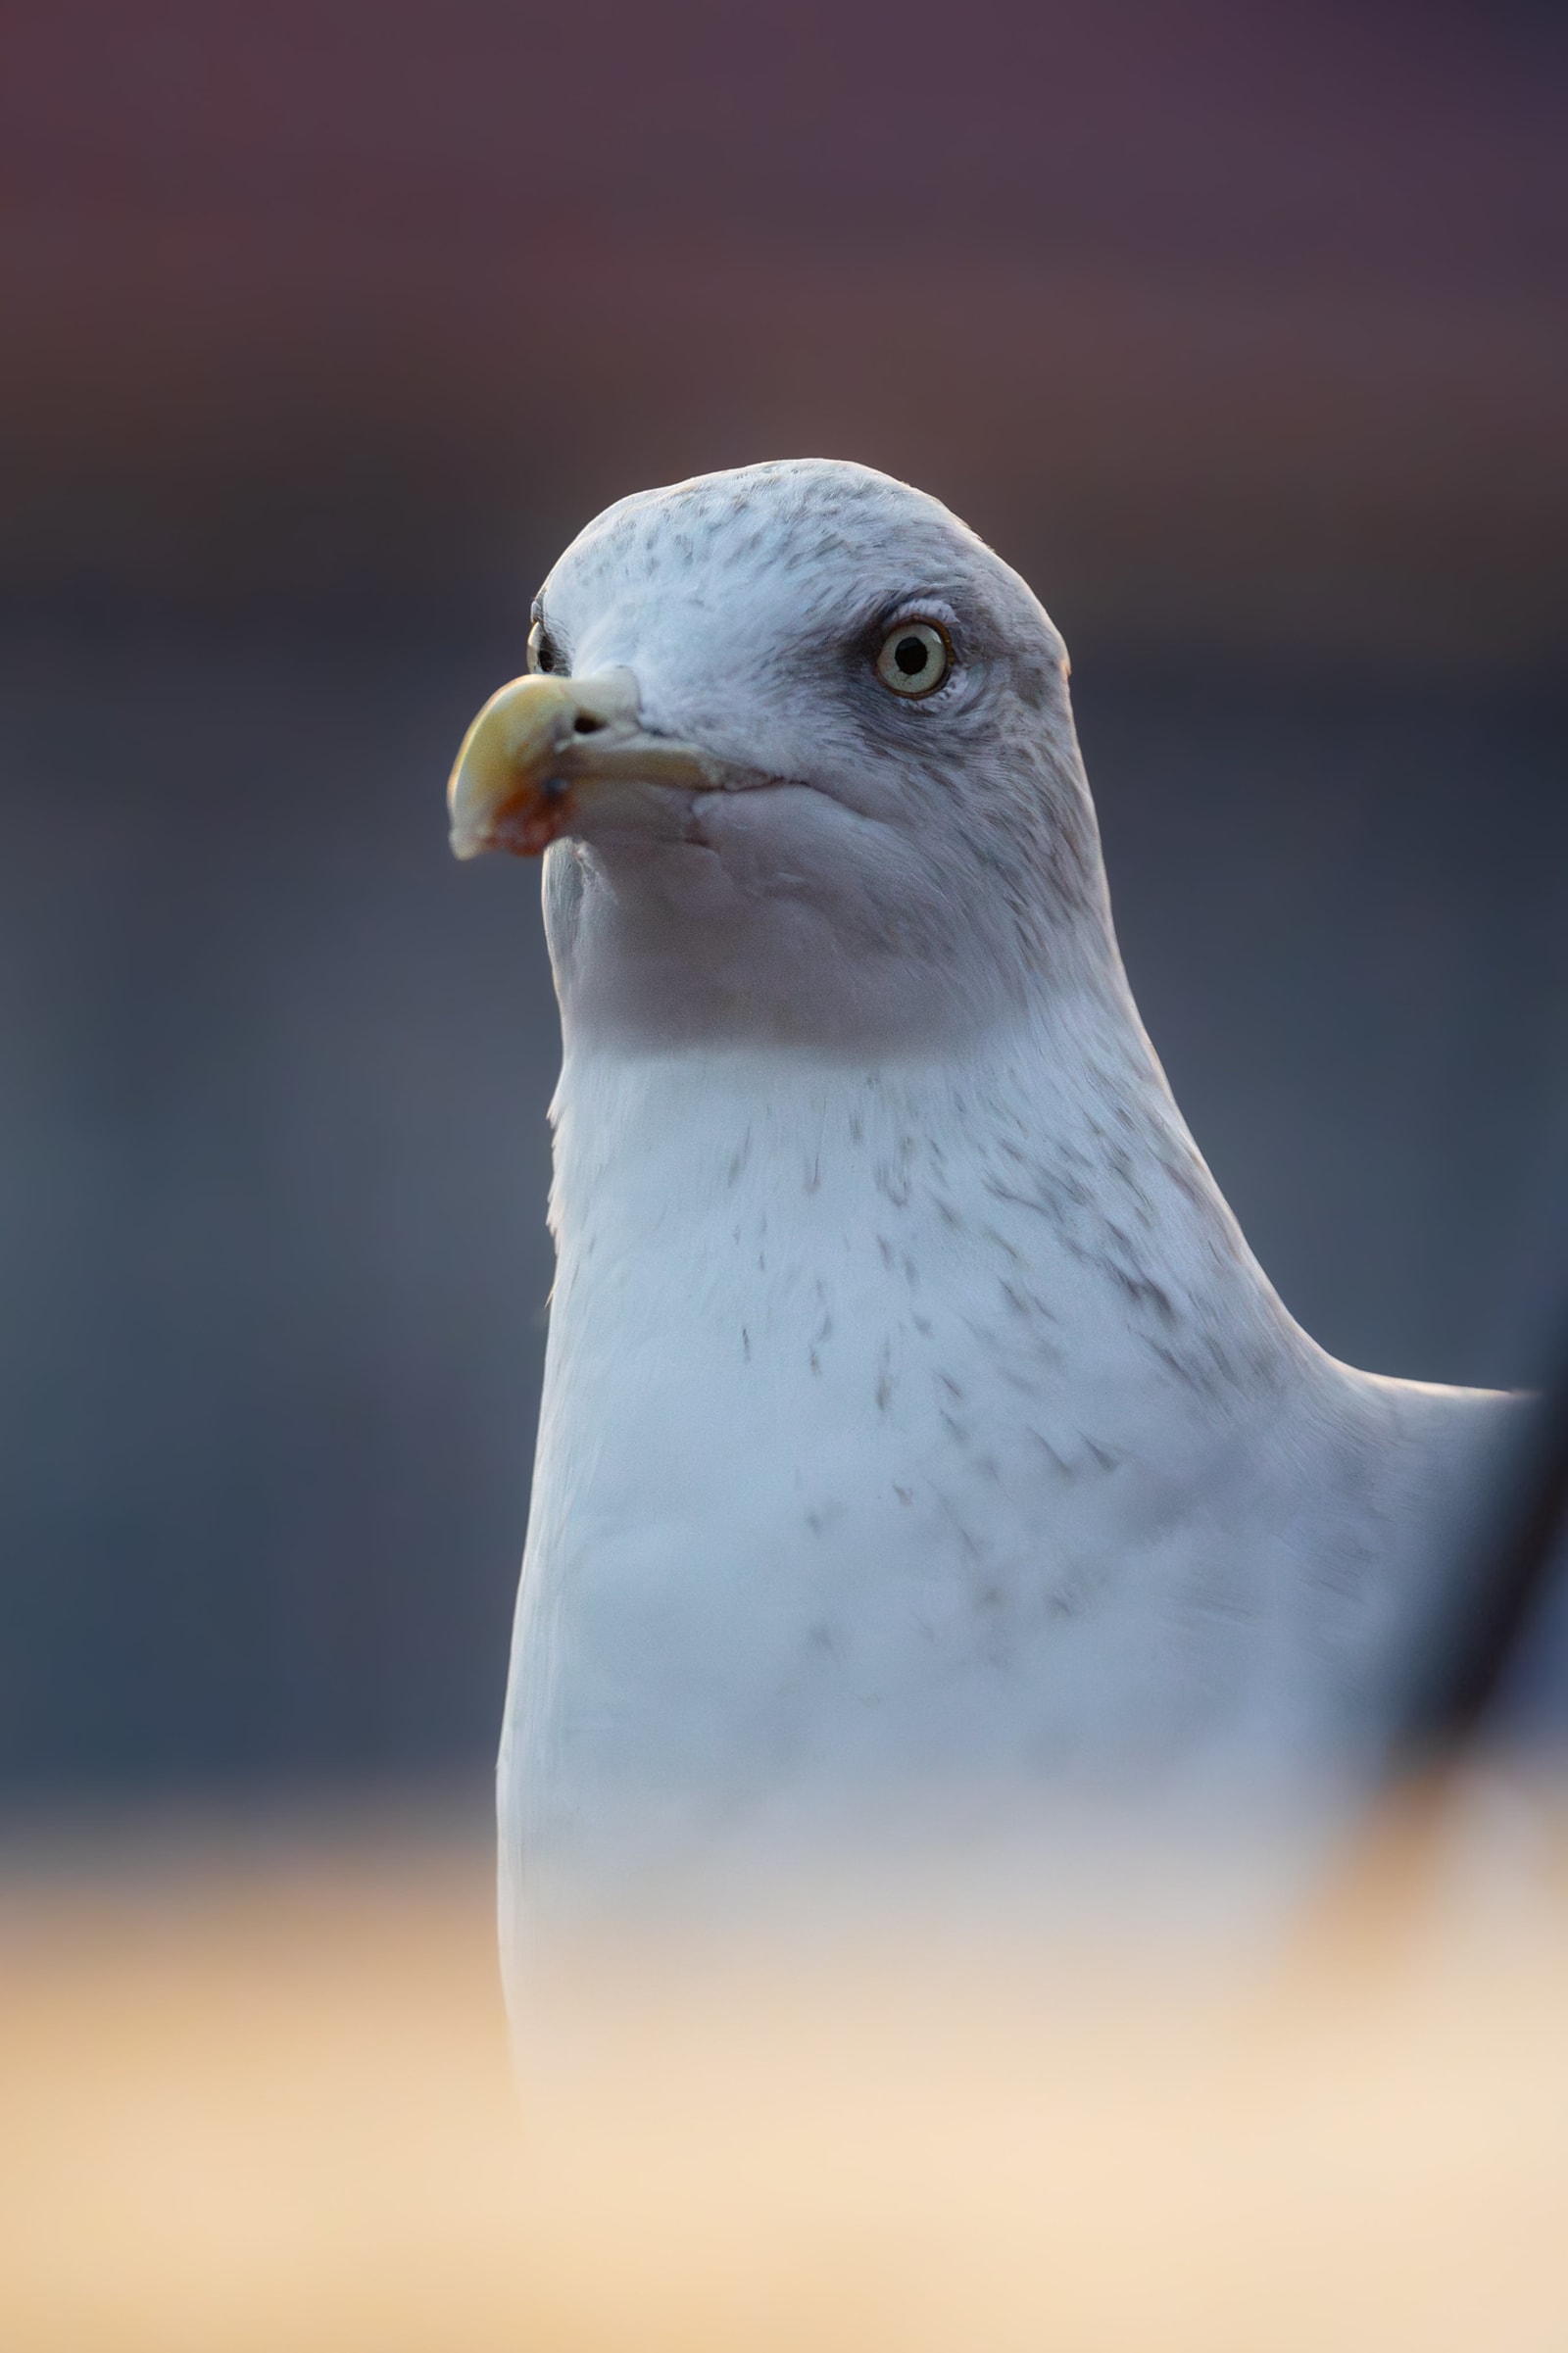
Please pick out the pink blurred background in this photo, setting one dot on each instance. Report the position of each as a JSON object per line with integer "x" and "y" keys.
{"x": 1244, "y": 322}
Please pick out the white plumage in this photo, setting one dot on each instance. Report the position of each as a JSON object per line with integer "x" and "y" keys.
{"x": 914, "y": 1413}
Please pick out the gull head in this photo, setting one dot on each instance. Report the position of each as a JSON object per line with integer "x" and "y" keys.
{"x": 799, "y": 751}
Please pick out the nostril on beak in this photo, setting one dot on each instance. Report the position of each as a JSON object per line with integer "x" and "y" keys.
{"x": 585, "y": 725}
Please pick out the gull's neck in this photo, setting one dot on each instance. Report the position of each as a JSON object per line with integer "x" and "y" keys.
{"x": 1050, "y": 1151}
{"x": 884, "y": 1409}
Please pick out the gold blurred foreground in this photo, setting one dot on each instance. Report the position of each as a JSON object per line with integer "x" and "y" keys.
{"x": 256, "y": 2096}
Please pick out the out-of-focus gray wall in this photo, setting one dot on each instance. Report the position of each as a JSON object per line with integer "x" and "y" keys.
{"x": 278, "y": 1071}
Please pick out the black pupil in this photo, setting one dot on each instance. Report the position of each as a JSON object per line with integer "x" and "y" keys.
{"x": 912, "y": 654}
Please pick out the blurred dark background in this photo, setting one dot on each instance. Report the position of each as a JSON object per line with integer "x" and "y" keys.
{"x": 1239, "y": 330}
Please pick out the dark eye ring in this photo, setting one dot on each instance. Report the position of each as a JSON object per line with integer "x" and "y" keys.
{"x": 916, "y": 657}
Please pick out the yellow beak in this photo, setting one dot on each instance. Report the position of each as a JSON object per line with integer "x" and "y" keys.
{"x": 539, "y": 743}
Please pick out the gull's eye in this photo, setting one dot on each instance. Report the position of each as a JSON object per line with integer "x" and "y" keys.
{"x": 543, "y": 653}
{"x": 916, "y": 657}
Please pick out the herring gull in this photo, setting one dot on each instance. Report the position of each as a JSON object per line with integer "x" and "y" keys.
{"x": 914, "y": 1410}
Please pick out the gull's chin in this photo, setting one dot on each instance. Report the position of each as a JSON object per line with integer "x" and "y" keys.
{"x": 629, "y": 811}
{"x": 744, "y": 802}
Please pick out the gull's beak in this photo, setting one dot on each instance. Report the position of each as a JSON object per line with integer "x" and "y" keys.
{"x": 542, "y": 742}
